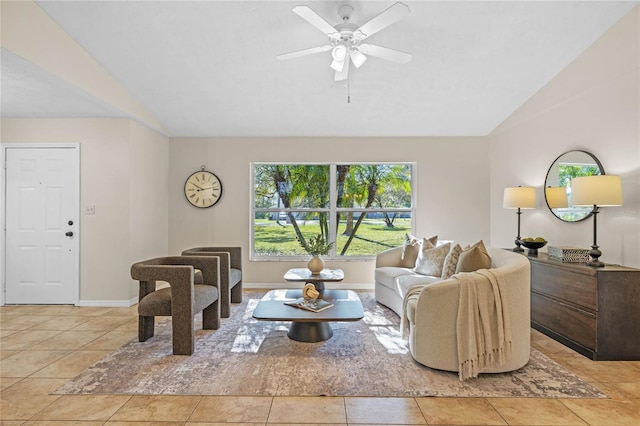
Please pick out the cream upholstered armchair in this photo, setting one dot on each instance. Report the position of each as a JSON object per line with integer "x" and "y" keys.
{"x": 230, "y": 274}
{"x": 182, "y": 300}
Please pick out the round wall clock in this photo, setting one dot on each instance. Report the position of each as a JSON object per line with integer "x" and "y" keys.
{"x": 203, "y": 189}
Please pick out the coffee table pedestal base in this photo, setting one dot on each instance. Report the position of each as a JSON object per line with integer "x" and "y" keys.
{"x": 310, "y": 332}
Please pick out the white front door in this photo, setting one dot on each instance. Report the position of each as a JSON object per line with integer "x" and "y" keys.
{"x": 42, "y": 229}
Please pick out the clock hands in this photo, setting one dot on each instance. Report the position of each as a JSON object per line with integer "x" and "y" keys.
{"x": 203, "y": 189}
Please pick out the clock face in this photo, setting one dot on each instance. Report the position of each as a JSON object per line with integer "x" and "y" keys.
{"x": 203, "y": 189}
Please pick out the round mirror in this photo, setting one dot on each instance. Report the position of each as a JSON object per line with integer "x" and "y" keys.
{"x": 558, "y": 183}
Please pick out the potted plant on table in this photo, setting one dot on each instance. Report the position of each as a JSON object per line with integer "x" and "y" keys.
{"x": 316, "y": 247}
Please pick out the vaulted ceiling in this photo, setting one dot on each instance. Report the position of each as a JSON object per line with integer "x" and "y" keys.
{"x": 209, "y": 68}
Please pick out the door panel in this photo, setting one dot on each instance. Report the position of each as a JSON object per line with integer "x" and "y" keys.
{"x": 42, "y": 197}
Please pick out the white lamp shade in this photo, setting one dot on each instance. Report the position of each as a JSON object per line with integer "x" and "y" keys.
{"x": 599, "y": 190}
{"x": 523, "y": 197}
{"x": 556, "y": 197}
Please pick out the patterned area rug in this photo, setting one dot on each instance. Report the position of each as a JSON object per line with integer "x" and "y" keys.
{"x": 249, "y": 357}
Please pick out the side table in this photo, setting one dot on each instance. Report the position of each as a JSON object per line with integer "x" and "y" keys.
{"x": 318, "y": 280}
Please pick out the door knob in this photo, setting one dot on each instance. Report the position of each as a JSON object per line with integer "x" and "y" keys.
{"x": 69, "y": 234}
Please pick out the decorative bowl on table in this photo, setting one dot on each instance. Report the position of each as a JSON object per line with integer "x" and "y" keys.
{"x": 533, "y": 244}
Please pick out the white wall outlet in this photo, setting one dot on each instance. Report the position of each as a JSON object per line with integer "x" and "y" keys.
{"x": 90, "y": 210}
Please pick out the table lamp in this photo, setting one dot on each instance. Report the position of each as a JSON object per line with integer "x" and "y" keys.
{"x": 556, "y": 197}
{"x": 597, "y": 191}
{"x": 519, "y": 198}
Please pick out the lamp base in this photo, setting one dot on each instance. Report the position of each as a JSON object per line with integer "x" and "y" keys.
{"x": 517, "y": 248}
{"x": 595, "y": 253}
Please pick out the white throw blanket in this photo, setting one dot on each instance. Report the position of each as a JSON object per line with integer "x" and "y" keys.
{"x": 483, "y": 325}
{"x": 412, "y": 293}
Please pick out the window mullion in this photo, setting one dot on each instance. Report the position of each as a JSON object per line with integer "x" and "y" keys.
{"x": 333, "y": 199}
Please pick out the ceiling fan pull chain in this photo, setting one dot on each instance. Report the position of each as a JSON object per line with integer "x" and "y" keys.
{"x": 348, "y": 90}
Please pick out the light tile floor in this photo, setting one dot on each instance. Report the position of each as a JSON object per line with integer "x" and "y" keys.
{"x": 41, "y": 347}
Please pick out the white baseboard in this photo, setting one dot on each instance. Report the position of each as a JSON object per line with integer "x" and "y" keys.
{"x": 108, "y": 303}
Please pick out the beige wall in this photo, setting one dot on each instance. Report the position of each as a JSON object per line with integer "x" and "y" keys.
{"x": 123, "y": 172}
{"x": 148, "y": 195}
{"x": 452, "y": 185}
{"x": 592, "y": 105}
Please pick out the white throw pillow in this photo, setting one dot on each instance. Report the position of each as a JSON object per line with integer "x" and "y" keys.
{"x": 411, "y": 248}
{"x": 431, "y": 259}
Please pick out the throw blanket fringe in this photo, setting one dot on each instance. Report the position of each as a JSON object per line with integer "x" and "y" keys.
{"x": 483, "y": 325}
{"x": 412, "y": 293}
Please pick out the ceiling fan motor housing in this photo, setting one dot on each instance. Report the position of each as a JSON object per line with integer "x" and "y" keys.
{"x": 347, "y": 38}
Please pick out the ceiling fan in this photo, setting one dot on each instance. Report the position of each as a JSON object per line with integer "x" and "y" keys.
{"x": 345, "y": 39}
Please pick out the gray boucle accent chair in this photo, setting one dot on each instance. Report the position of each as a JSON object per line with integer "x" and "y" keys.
{"x": 230, "y": 274}
{"x": 182, "y": 300}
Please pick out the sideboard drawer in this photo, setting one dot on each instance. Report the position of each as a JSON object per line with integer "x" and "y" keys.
{"x": 563, "y": 284}
{"x": 574, "y": 324}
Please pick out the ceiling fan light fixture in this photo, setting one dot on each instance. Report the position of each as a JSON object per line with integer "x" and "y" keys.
{"x": 357, "y": 58}
{"x": 337, "y": 65}
{"x": 339, "y": 53}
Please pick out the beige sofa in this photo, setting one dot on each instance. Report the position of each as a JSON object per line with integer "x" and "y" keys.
{"x": 432, "y": 314}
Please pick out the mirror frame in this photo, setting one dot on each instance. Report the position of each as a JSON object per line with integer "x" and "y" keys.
{"x": 546, "y": 179}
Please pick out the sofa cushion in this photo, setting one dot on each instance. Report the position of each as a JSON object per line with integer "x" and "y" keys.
{"x": 411, "y": 248}
{"x": 474, "y": 258}
{"x": 430, "y": 260}
{"x": 387, "y": 275}
{"x": 405, "y": 282}
{"x": 451, "y": 262}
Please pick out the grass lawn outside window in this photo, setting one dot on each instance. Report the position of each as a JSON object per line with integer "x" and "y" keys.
{"x": 362, "y": 209}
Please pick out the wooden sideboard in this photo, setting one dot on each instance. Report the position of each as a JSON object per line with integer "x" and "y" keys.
{"x": 595, "y": 311}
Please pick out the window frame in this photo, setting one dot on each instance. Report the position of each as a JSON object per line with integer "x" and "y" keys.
{"x": 332, "y": 211}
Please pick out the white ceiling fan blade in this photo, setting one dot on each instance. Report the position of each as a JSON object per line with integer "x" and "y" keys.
{"x": 316, "y": 20}
{"x": 357, "y": 57}
{"x": 383, "y": 20}
{"x": 386, "y": 53}
{"x": 344, "y": 73}
{"x": 304, "y": 52}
